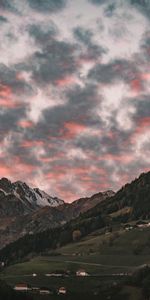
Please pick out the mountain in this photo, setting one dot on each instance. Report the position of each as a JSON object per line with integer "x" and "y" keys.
{"x": 18, "y": 198}
{"x": 82, "y": 205}
{"x": 130, "y": 203}
{"x": 26, "y": 210}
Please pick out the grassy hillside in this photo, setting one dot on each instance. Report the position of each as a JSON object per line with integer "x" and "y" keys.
{"x": 109, "y": 251}
{"x": 101, "y": 253}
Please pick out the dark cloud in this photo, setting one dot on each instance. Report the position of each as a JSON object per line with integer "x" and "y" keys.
{"x": 110, "y": 9}
{"x": 43, "y": 33}
{"x": 98, "y": 2}
{"x": 9, "y": 5}
{"x": 8, "y": 77}
{"x": 146, "y": 46}
{"x": 142, "y": 106}
{"x": 116, "y": 70}
{"x": 3, "y": 19}
{"x": 142, "y": 5}
{"x": 47, "y": 6}
{"x": 54, "y": 62}
{"x": 76, "y": 110}
{"x": 83, "y": 35}
{"x": 9, "y": 119}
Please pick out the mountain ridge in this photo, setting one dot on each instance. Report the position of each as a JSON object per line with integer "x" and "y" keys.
{"x": 130, "y": 203}
{"x": 25, "y": 210}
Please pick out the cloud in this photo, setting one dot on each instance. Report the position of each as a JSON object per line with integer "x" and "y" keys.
{"x": 3, "y": 19}
{"x": 54, "y": 62}
{"x": 117, "y": 70}
{"x": 98, "y": 2}
{"x": 47, "y": 6}
{"x": 74, "y": 94}
{"x": 83, "y": 35}
{"x": 43, "y": 33}
{"x": 8, "y": 5}
{"x": 142, "y": 5}
{"x": 9, "y": 77}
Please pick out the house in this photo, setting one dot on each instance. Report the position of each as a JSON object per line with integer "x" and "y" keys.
{"x": 142, "y": 224}
{"x": 44, "y": 291}
{"x": 81, "y": 273}
{"x": 128, "y": 227}
{"x": 2, "y": 263}
{"x": 22, "y": 287}
{"x": 62, "y": 291}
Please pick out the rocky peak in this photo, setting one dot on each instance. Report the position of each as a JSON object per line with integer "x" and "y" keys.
{"x": 5, "y": 185}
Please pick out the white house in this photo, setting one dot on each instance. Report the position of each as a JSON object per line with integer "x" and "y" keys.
{"x": 44, "y": 291}
{"x": 81, "y": 273}
{"x": 62, "y": 290}
{"x": 22, "y": 287}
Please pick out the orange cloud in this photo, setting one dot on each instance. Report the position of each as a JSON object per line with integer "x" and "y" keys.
{"x": 16, "y": 169}
{"x": 72, "y": 129}
{"x": 123, "y": 158}
{"x": 6, "y": 97}
{"x": 30, "y": 144}
{"x": 4, "y": 170}
{"x": 65, "y": 81}
{"x": 136, "y": 85}
{"x": 25, "y": 124}
{"x": 145, "y": 76}
{"x": 142, "y": 127}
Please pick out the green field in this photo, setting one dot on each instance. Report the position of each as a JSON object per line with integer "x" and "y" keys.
{"x": 101, "y": 253}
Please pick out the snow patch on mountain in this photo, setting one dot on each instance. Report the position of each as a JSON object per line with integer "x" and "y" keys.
{"x": 32, "y": 197}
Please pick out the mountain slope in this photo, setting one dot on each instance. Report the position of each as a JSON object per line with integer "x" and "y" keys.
{"x": 134, "y": 196}
{"x": 24, "y": 210}
{"x": 22, "y": 199}
{"x": 131, "y": 202}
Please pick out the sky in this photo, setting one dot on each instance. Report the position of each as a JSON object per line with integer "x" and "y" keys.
{"x": 74, "y": 94}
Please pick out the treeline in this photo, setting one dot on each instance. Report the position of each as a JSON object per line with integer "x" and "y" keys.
{"x": 135, "y": 195}
{"x": 50, "y": 239}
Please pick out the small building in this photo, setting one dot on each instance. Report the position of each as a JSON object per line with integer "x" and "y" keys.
{"x": 22, "y": 287}
{"x": 44, "y": 291}
{"x": 2, "y": 264}
{"x": 81, "y": 273}
{"x": 128, "y": 227}
{"x": 142, "y": 224}
{"x": 62, "y": 291}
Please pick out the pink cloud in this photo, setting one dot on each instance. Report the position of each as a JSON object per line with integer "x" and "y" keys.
{"x": 6, "y": 97}
{"x": 30, "y": 144}
{"x": 71, "y": 130}
{"x": 136, "y": 85}
{"x": 123, "y": 158}
{"x": 16, "y": 169}
{"x": 142, "y": 127}
{"x": 25, "y": 124}
{"x": 66, "y": 81}
{"x": 4, "y": 170}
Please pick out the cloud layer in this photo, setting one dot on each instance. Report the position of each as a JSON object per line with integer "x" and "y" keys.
{"x": 74, "y": 93}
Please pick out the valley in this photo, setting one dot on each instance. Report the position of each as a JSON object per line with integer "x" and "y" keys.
{"x": 103, "y": 250}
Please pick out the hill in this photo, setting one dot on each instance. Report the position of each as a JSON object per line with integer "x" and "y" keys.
{"x": 25, "y": 210}
{"x": 130, "y": 203}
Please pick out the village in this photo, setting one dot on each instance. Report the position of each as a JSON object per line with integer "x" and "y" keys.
{"x": 24, "y": 287}
{"x": 62, "y": 290}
